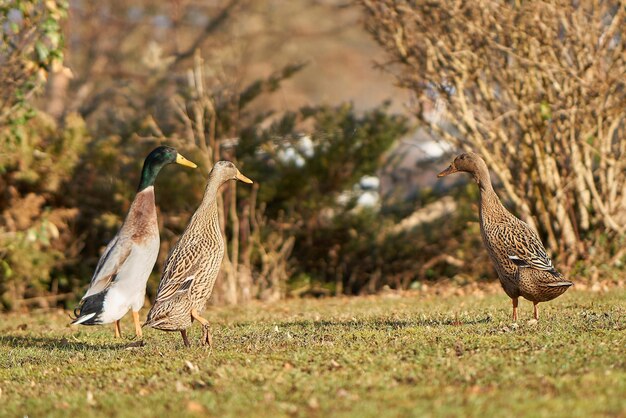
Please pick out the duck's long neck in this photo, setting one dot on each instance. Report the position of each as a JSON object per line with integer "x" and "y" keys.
{"x": 207, "y": 215}
{"x": 491, "y": 207}
{"x": 149, "y": 173}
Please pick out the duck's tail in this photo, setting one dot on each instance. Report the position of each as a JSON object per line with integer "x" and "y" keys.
{"x": 154, "y": 321}
{"x": 89, "y": 310}
{"x": 563, "y": 283}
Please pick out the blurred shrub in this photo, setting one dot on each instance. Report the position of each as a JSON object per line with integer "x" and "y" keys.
{"x": 339, "y": 246}
{"x": 31, "y": 46}
{"x": 304, "y": 161}
{"x": 37, "y": 239}
{"x": 360, "y": 251}
{"x": 304, "y": 171}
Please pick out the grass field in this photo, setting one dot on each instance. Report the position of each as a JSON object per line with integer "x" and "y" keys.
{"x": 383, "y": 356}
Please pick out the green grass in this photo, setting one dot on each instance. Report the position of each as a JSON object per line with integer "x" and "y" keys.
{"x": 367, "y": 357}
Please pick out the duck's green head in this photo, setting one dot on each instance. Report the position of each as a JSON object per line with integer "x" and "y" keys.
{"x": 156, "y": 160}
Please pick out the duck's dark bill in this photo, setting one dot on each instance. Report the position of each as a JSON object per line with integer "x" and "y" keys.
{"x": 451, "y": 169}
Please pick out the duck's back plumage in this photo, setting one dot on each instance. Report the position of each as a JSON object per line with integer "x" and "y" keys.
{"x": 523, "y": 265}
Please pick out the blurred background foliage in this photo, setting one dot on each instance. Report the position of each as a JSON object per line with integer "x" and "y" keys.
{"x": 345, "y": 199}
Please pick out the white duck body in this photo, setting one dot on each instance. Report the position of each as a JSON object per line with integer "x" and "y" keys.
{"x": 119, "y": 282}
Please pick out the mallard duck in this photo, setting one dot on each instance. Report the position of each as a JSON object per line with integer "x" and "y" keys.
{"x": 119, "y": 282}
{"x": 194, "y": 263}
{"x": 521, "y": 261}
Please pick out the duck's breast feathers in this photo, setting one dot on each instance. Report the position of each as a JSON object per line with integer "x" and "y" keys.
{"x": 141, "y": 222}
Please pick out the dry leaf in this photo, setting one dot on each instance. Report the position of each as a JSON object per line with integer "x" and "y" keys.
{"x": 195, "y": 407}
{"x": 342, "y": 393}
{"x": 313, "y": 403}
{"x": 192, "y": 367}
{"x": 90, "y": 400}
{"x": 62, "y": 405}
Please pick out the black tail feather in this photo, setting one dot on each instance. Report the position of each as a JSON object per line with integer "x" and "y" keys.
{"x": 76, "y": 312}
{"x": 90, "y": 305}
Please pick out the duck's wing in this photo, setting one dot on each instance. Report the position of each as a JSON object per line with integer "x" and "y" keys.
{"x": 109, "y": 265}
{"x": 523, "y": 246}
{"x": 180, "y": 270}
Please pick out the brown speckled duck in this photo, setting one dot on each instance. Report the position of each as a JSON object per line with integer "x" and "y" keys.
{"x": 194, "y": 263}
{"x": 523, "y": 266}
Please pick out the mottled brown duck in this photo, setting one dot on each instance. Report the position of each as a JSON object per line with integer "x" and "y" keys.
{"x": 194, "y": 263}
{"x": 521, "y": 261}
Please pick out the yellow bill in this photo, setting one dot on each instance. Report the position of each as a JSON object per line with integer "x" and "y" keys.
{"x": 183, "y": 161}
{"x": 243, "y": 178}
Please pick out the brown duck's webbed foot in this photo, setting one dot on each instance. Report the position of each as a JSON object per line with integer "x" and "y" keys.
{"x": 206, "y": 339}
{"x": 118, "y": 329}
{"x": 183, "y": 332}
{"x": 535, "y": 311}
{"x": 515, "y": 302}
{"x": 138, "y": 331}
